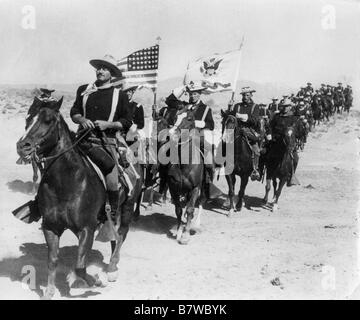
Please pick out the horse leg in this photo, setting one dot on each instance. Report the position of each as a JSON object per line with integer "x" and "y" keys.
{"x": 267, "y": 190}
{"x": 178, "y": 212}
{"x": 231, "y": 179}
{"x": 278, "y": 193}
{"x": 190, "y": 208}
{"x": 244, "y": 182}
{"x": 274, "y": 187}
{"x": 151, "y": 199}
{"x": 137, "y": 206}
{"x": 124, "y": 221}
{"x": 52, "y": 241}
{"x": 86, "y": 239}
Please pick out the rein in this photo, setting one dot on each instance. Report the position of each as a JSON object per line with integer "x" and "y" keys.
{"x": 42, "y": 160}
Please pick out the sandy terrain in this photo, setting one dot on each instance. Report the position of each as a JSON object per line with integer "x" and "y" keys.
{"x": 308, "y": 249}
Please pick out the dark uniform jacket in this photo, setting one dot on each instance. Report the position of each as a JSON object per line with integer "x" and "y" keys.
{"x": 200, "y": 109}
{"x": 252, "y": 110}
{"x": 137, "y": 114}
{"x": 273, "y": 107}
{"x": 98, "y": 107}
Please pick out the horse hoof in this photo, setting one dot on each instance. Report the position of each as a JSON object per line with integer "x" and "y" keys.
{"x": 101, "y": 280}
{"x": 149, "y": 208}
{"x": 230, "y": 213}
{"x": 184, "y": 239}
{"x": 49, "y": 294}
{"x": 275, "y": 207}
{"x": 112, "y": 276}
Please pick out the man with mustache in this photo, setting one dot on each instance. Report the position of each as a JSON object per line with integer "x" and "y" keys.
{"x": 104, "y": 108}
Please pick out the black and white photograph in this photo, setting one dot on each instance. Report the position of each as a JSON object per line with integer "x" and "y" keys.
{"x": 179, "y": 150}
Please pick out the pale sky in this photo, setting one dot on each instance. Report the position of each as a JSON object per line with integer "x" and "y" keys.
{"x": 284, "y": 39}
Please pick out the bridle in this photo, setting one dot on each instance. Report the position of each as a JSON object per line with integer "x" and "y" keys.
{"x": 236, "y": 126}
{"x": 42, "y": 160}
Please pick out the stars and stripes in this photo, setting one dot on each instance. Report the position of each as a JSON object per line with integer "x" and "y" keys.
{"x": 140, "y": 67}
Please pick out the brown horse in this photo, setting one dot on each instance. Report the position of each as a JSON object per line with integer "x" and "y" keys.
{"x": 71, "y": 195}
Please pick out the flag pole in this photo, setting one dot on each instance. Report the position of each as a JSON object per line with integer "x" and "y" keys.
{"x": 237, "y": 71}
{"x": 155, "y": 89}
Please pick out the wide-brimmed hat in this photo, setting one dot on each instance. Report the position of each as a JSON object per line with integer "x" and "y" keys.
{"x": 323, "y": 84}
{"x": 309, "y": 84}
{"x": 339, "y": 83}
{"x": 274, "y": 99}
{"x": 109, "y": 62}
{"x": 195, "y": 87}
{"x": 287, "y": 102}
{"x": 245, "y": 90}
{"x": 46, "y": 91}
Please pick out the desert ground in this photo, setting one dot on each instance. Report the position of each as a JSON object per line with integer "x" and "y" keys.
{"x": 308, "y": 249}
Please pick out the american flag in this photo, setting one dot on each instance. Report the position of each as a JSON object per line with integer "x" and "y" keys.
{"x": 140, "y": 67}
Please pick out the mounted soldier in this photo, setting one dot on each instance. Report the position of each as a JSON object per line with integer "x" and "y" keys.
{"x": 273, "y": 107}
{"x": 322, "y": 89}
{"x": 309, "y": 89}
{"x": 340, "y": 87}
{"x": 46, "y": 94}
{"x": 105, "y": 109}
{"x": 348, "y": 97}
{"x": 247, "y": 113}
{"x": 281, "y": 123}
{"x": 203, "y": 122}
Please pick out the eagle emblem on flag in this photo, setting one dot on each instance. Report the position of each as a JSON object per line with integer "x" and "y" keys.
{"x": 210, "y": 67}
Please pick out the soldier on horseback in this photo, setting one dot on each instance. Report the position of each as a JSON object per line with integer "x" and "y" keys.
{"x": 247, "y": 113}
{"x": 273, "y": 106}
{"x": 46, "y": 94}
{"x": 104, "y": 108}
{"x": 281, "y": 122}
{"x": 309, "y": 89}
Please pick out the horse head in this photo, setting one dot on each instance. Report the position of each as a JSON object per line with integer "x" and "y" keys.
{"x": 185, "y": 120}
{"x": 41, "y": 128}
{"x": 229, "y": 124}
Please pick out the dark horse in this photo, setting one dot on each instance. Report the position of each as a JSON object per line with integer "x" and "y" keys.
{"x": 71, "y": 195}
{"x": 242, "y": 162}
{"x": 317, "y": 111}
{"x": 185, "y": 176}
{"x": 280, "y": 161}
{"x": 339, "y": 101}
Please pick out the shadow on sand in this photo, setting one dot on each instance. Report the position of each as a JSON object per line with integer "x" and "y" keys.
{"x": 27, "y": 187}
{"x": 35, "y": 255}
{"x": 157, "y": 223}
